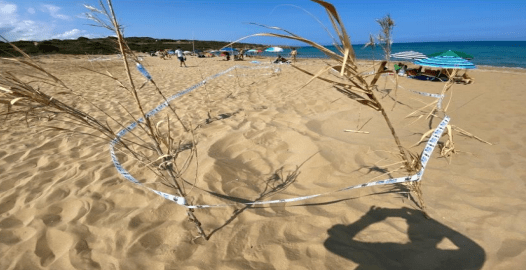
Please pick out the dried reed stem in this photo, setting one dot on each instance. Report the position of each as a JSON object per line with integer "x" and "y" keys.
{"x": 169, "y": 167}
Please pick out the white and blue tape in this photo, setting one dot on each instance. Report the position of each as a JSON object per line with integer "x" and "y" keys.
{"x": 143, "y": 71}
{"x": 437, "y": 96}
{"x": 426, "y": 154}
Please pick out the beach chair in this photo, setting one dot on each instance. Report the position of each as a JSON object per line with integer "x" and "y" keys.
{"x": 464, "y": 79}
{"x": 434, "y": 75}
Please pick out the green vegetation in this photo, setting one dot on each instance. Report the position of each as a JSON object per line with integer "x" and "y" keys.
{"x": 108, "y": 45}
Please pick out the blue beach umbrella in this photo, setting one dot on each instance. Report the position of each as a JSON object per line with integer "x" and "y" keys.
{"x": 228, "y": 50}
{"x": 446, "y": 62}
{"x": 274, "y": 49}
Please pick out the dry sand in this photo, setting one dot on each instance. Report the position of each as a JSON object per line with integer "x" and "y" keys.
{"x": 64, "y": 206}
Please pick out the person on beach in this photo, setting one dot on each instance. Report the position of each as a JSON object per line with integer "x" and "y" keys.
{"x": 227, "y": 56}
{"x": 280, "y": 59}
{"x": 293, "y": 54}
{"x": 181, "y": 57}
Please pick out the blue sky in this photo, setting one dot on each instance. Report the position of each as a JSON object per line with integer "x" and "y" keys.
{"x": 460, "y": 20}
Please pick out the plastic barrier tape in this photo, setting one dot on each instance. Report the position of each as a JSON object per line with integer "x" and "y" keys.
{"x": 439, "y": 97}
{"x": 426, "y": 154}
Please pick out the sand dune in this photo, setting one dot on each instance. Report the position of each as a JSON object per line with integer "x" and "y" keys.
{"x": 64, "y": 206}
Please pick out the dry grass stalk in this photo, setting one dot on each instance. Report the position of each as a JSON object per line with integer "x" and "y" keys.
{"x": 385, "y": 41}
{"x": 385, "y": 37}
{"x": 467, "y": 134}
{"x": 355, "y": 85}
{"x": 356, "y": 131}
{"x": 23, "y": 98}
{"x": 175, "y": 154}
{"x": 448, "y": 148}
{"x": 371, "y": 44}
{"x": 168, "y": 158}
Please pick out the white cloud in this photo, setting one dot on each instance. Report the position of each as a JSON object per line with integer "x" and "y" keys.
{"x": 74, "y": 34}
{"x": 6, "y": 9}
{"x": 14, "y": 26}
{"x": 8, "y": 18}
{"x": 26, "y": 30}
{"x": 54, "y": 12}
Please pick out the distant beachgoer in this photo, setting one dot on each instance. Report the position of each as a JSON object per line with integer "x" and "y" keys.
{"x": 293, "y": 54}
{"x": 181, "y": 57}
{"x": 163, "y": 54}
{"x": 280, "y": 59}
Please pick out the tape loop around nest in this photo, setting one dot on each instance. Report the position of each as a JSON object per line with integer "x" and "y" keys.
{"x": 426, "y": 154}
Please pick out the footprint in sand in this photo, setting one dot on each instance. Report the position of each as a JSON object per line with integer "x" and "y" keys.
{"x": 81, "y": 256}
{"x": 58, "y": 195}
{"x": 43, "y": 251}
{"x": 8, "y": 238}
{"x": 52, "y": 217}
{"x": 11, "y": 222}
{"x": 8, "y": 203}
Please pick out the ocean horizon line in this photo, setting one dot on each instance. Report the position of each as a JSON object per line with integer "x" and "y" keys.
{"x": 412, "y": 42}
{"x": 510, "y": 54}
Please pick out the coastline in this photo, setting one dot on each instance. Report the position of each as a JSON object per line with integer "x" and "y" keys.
{"x": 269, "y": 58}
{"x": 488, "y": 53}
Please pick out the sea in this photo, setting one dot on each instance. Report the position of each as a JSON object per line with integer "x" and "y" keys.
{"x": 510, "y": 54}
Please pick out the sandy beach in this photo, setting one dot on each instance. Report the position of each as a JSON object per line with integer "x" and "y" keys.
{"x": 63, "y": 204}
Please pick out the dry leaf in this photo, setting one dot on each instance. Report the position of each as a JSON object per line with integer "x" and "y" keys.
{"x": 16, "y": 100}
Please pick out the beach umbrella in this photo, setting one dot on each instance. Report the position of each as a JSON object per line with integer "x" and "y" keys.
{"x": 446, "y": 62}
{"x": 228, "y": 50}
{"x": 187, "y": 52}
{"x": 411, "y": 55}
{"x": 231, "y": 51}
{"x": 254, "y": 51}
{"x": 452, "y": 53}
{"x": 274, "y": 49}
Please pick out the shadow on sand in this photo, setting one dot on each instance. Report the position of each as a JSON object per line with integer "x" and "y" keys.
{"x": 421, "y": 252}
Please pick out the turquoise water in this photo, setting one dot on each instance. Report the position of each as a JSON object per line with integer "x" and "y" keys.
{"x": 488, "y": 53}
